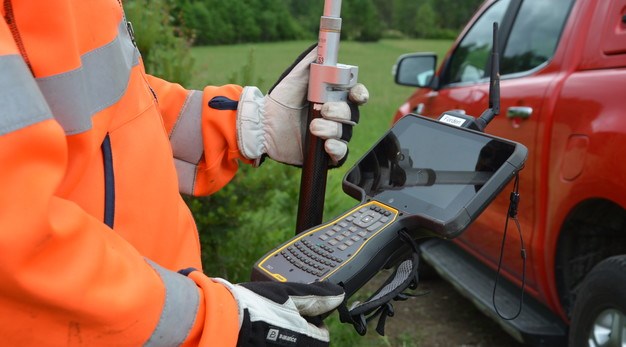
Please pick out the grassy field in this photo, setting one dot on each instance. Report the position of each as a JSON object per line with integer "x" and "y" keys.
{"x": 260, "y": 65}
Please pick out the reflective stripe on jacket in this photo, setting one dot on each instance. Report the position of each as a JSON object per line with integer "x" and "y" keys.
{"x": 92, "y": 224}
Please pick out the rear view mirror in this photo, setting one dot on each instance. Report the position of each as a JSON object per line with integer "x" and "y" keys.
{"x": 415, "y": 69}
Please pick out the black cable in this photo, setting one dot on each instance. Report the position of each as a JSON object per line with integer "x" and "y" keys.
{"x": 512, "y": 214}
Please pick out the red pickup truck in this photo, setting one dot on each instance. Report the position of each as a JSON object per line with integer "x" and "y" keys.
{"x": 563, "y": 95}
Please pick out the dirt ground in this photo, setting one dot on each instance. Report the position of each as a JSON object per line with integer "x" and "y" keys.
{"x": 441, "y": 318}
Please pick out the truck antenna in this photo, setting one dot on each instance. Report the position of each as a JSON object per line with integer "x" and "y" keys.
{"x": 459, "y": 118}
{"x": 494, "y": 84}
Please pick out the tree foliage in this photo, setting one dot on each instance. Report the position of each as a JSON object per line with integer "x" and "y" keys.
{"x": 425, "y": 18}
{"x": 225, "y": 22}
{"x": 222, "y": 22}
{"x": 361, "y": 21}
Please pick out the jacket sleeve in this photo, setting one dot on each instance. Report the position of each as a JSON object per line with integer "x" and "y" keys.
{"x": 203, "y": 137}
{"x": 65, "y": 277}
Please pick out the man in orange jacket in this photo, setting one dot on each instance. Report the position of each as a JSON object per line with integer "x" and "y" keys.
{"x": 93, "y": 156}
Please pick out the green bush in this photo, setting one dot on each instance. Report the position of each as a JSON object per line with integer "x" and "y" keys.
{"x": 250, "y": 216}
{"x": 164, "y": 49}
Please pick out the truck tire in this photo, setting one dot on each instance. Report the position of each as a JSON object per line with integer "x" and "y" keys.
{"x": 599, "y": 315}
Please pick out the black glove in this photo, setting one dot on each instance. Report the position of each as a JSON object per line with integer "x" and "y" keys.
{"x": 284, "y": 314}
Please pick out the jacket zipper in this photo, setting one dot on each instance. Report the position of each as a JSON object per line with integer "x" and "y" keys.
{"x": 9, "y": 17}
{"x": 131, "y": 32}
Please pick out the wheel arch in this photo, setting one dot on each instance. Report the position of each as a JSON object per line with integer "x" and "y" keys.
{"x": 593, "y": 230}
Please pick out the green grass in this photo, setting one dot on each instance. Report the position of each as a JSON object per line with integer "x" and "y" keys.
{"x": 230, "y": 253}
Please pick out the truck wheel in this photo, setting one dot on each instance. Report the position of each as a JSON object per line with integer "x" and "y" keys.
{"x": 599, "y": 315}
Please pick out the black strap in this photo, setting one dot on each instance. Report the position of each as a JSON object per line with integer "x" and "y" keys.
{"x": 379, "y": 304}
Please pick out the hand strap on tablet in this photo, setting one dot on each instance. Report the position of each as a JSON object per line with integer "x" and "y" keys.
{"x": 379, "y": 304}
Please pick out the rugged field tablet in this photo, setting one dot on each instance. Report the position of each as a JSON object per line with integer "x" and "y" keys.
{"x": 424, "y": 177}
{"x": 438, "y": 175}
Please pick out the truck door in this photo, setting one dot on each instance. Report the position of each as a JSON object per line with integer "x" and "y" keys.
{"x": 529, "y": 35}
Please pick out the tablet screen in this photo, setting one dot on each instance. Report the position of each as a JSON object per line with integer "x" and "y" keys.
{"x": 424, "y": 167}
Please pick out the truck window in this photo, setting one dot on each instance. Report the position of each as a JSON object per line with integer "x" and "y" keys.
{"x": 534, "y": 35}
{"x": 468, "y": 62}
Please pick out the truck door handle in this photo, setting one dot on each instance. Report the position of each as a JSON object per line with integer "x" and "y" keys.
{"x": 522, "y": 112}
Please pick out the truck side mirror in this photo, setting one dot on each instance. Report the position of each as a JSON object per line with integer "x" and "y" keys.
{"x": 415, "y": 69}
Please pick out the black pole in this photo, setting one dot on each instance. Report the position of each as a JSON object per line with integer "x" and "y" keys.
{"x": 313, "y": 179}
{"x": 328, "y": 81}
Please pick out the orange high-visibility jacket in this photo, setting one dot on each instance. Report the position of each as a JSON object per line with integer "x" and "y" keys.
{"x": 93, "y": 155}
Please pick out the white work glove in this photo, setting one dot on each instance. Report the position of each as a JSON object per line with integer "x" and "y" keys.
{"x": 284, "y": 314}
{"x": 275, "y": 124}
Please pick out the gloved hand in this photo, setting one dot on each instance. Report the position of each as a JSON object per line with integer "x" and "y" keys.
{"x": 284, "y": 314}
{"x": 275, "y": 124}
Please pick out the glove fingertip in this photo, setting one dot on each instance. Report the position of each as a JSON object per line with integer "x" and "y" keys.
{"x": 359, "y": 94}
{"x": 338, "y": 111}
{"x": 336, "y": 149}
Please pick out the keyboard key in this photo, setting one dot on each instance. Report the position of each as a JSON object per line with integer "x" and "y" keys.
{"x": 374, "y": 226}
